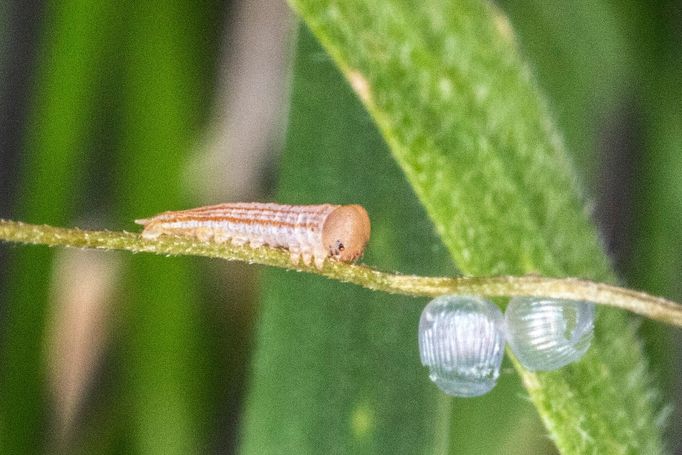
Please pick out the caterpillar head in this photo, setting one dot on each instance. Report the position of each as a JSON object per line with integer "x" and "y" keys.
{"x": 346, "y": 232}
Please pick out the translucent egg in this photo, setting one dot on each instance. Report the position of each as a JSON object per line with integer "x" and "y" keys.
{"x": 546, "y": 334}
{"x": 461, "y": 340}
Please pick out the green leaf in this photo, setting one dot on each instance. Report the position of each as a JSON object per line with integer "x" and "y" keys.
{"x": 337, "y": 368}
{"x": 462, "y": 115}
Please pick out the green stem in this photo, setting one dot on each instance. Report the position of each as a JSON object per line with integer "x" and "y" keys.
{"x": 652, "y": 307}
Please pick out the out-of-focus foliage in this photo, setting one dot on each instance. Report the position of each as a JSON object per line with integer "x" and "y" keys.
{"x": 120, "y": 92}
{"x": 58, "y": 136}
{"x": 586, "y": 84}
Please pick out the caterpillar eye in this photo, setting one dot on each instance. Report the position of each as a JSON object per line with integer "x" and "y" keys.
{"x": 339, "y": 246}
{"x": 547, "y": 334}
{"x": 461, "y": 340}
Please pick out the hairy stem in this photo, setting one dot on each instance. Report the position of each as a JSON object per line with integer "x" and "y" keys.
{"x": 652, "y": 307}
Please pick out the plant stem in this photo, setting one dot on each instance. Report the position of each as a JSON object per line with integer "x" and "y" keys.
{"x": 646, "y": 305}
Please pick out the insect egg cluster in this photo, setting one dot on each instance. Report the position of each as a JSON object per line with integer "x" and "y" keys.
{"x": 461, "y": 338}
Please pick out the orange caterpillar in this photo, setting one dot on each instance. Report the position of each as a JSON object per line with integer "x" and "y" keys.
{"x": 311, "y": 232}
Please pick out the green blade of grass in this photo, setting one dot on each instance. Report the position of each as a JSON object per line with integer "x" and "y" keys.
{"x": 463, "y": 117}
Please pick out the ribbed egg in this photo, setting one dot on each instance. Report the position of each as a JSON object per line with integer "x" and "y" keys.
{"x": 546, "y": 334}
{"x": 461, "y": 340}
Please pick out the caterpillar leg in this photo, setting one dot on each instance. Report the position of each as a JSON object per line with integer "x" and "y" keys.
{"x": 204, "y": 235}
{"x": 150, "y": 234}
{"x": 307, "y": 258}
{"x": 239, "y": 241}
{"x": 294, "y": 255}
{"x": 219, "y": 237}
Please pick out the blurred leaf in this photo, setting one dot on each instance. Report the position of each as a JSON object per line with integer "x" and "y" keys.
{"x": 165, "y": 64}
{"x": 463, "y": 117}
{"x": 5, "y": 19}
{"x": 583, "y": 62}
{"x": 337, "y": 369}
{"x": 656, "y": 256}
{"x": 656, "y": 260}
{"x": 70, "y": 67}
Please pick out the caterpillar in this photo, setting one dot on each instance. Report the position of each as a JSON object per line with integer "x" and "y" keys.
{"x": 311, "y": 232}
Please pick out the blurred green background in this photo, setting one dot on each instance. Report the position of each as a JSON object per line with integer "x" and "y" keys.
{"x": 111, "y": 111}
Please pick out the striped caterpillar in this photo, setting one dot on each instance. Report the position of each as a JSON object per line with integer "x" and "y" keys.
{"x": 311, "y": 232}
